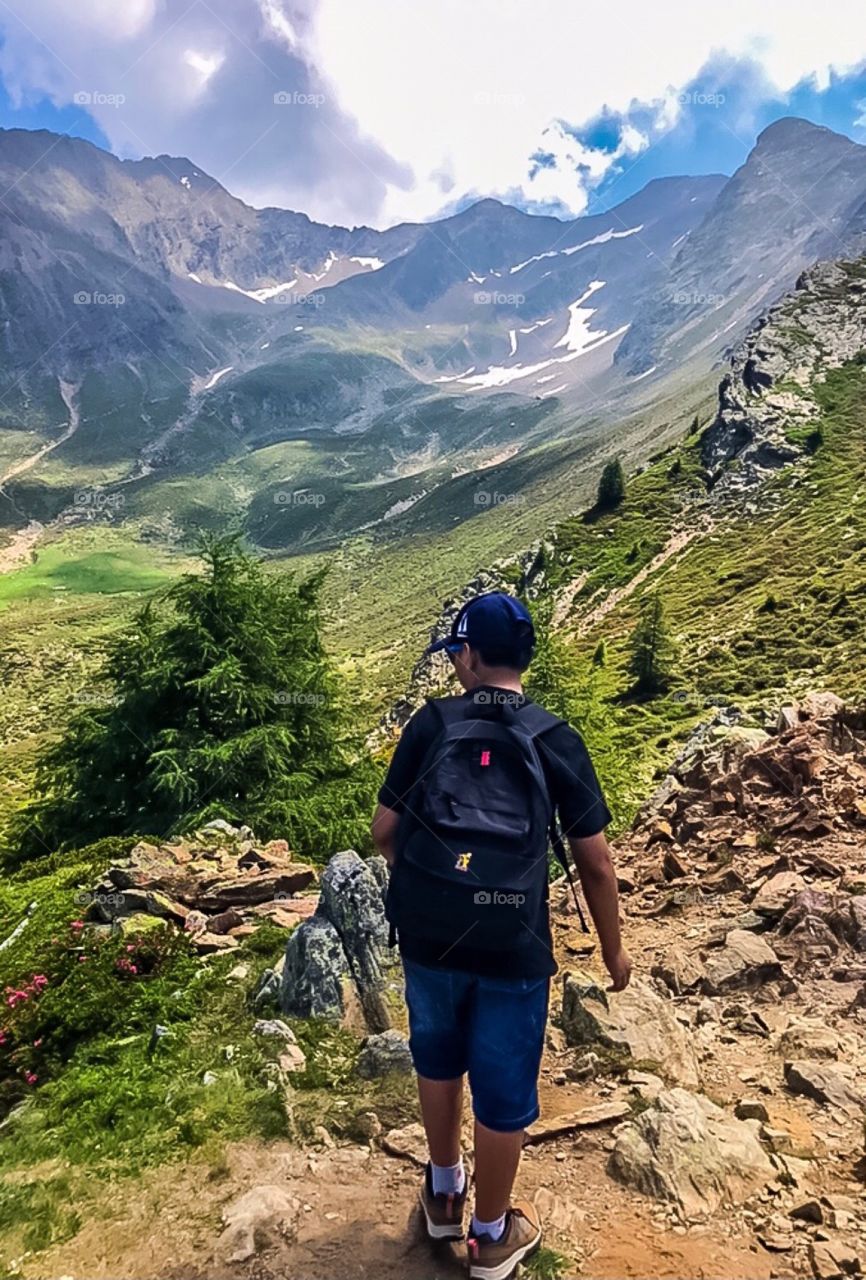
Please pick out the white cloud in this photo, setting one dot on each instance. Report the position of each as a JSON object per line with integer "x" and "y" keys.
{"x": 415, "y": 102}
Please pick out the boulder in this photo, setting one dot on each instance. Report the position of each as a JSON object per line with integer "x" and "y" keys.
{"x": 679, "y": 971}
{"x": 351, "y": 899}
{"x": 314, "y": 971}
{"x": 833, "y": 1260}
{"x": 745, "y": 962}
{"x": 824, "y": 1083}
{"x": 804, "y": 1038}
{"x": 775, "y": 895}
{"x": 687, "y": 1151}
{"x": 383, "y": 1054}
{"x": 258, "y": 1218}
{"x": 636, "y": 1020}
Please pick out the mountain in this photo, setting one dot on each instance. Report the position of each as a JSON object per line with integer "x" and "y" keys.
{"x": 199, "y": 358}
{"x": 799, "y": 197}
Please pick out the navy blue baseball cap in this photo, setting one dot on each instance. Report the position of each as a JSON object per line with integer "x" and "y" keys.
{"x": 491, "y": 621}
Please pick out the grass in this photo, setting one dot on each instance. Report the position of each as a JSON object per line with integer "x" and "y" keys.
{"x": 84, "y": 566}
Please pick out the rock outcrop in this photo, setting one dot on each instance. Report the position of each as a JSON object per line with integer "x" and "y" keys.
{"x": 341, "y": 951}
{"x": 766, "y": 403}
{"x": 686, "y": 1150}
{"x": 217, "y": 884}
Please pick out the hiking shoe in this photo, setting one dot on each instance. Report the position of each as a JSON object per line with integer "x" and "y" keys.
{"x": 496, "y": 1259}
{"x": 443, "y": 1213}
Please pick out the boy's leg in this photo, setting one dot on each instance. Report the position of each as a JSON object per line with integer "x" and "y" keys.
{"x": 438, "y": 1037}
{"x": 509, "y": 1018}
{"x": 497, "y": 1156}
{"x": 442, "y": 1110}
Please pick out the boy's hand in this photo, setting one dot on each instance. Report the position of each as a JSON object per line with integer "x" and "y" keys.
{"x": 618, "y": 966}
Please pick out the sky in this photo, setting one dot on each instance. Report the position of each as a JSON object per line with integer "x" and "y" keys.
{"x": 380, "y": 111}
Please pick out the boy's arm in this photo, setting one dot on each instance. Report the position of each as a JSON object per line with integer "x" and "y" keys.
{"x": 598, "y": 878}
{"x": 384, "y": 829}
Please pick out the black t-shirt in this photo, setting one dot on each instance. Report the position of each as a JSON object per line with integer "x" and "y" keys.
{"x": 573, "y": 788}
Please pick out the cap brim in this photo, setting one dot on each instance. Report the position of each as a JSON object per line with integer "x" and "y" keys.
{"x": 438, "y": 645}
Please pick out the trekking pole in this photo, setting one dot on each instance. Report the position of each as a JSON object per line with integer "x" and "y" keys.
{"x": 562, "y": 858}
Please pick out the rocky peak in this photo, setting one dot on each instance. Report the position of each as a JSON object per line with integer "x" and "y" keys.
{"x": 817, "y": 327}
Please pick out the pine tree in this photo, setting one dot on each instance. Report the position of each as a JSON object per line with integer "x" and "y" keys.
{"x": 611, "y": 486}
{"x": 220, "y": 702}
{"x": 652, "y": 650}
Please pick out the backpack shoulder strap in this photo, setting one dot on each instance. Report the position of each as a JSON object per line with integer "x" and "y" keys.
{"x": 448, "y": 709}
{"x": 536, "y": 720}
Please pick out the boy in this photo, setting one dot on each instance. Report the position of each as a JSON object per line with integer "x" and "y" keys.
{"x": 477, "y": 999}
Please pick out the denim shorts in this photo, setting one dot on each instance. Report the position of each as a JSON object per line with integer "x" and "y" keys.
{"x": 492, "y": 1028}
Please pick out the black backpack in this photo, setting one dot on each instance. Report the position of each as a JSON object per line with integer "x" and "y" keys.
{"x": 471, "y": 866}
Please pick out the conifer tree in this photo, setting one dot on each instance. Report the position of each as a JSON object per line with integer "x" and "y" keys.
{"x": 652, "y": 649}
{"x": 219, "y": 702}
{"x": 611, "y": 486}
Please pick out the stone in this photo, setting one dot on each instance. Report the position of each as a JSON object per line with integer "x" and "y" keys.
{"x": 274, "y": 1027}
{"x": 745, "y": 962}
{"x": 725, "y": 880}
{"x": 806, "y": 1039}
{"x": 314, "y": 971}
{"x": 679, "y": 971}
{"x": 636, "y": 1020}
{"x": 351, "y": 899}
{"x": 408, "y": 1143}
{"x": 687, "y": 1151}
{"x": 210, "y": 943}
{"x": 833, "y": 1260}
{"x": 808, "y": 1211}
{"x": 600, "y": 1113}
{"x": 751, "y": 1109}
{"x": 384, "y": 1054}
{"x": 775, "y": 895}
{"x": 291, "y": 1059}
{"x": 673, "y": 866}
{"x": 259, "y": 1218}
{"x": 247, "y": 890}
{"x": 823, "y": 1083}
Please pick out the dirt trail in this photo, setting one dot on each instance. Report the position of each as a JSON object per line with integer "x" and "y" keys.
{"x": 676, "y": 543}
{"x": 68, "y": 392}
{"x": 18, "y": 551}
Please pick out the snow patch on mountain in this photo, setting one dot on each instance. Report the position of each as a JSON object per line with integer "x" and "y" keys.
{"x": 374, "y": 264}
{"x": 578, "y": 336}
{"x": 215, "y": 377}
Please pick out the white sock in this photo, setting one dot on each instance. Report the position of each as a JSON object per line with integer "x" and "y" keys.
{"x": 448, "y": 1179}
{"x": 493, "y": 1229}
